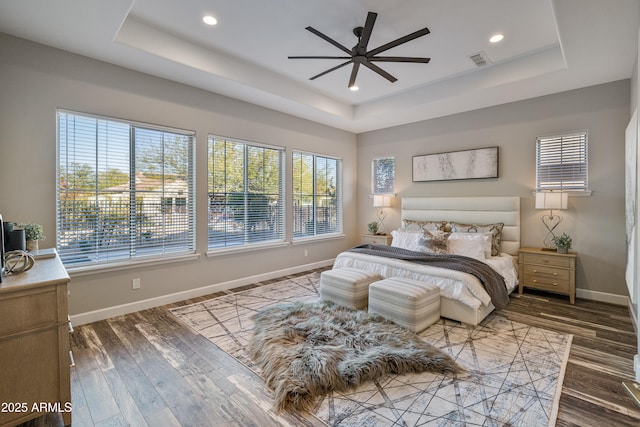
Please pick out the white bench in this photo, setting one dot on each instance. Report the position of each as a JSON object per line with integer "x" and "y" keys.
{"x": 347, "y": 286}
{"x": 409, "y": 303}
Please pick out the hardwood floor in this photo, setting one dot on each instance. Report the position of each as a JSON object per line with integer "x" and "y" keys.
{"x": 147, "y": 369}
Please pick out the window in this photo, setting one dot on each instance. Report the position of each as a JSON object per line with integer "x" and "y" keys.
{"x": 317, "y": 195}
{"x": 383, "y": 174}
{"x": 246, "y": 193}
{"x": 125, "y": 190}
{"x": 561, "y": 162}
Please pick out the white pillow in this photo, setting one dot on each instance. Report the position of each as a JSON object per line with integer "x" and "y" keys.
{"x": 407, "y": 239}
{"x": 473, "y": 245}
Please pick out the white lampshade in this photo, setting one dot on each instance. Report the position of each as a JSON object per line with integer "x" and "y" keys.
{"x": 381, "y": 201}
{"x": 552, "y": 200}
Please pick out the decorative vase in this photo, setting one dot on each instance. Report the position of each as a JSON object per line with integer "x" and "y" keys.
{"x": 562, "y": 250}
{"x": 32, "y": 245}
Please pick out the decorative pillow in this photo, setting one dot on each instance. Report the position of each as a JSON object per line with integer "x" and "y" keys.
{"x": 424, "y": 225}
{"x": 409, "y": 240}
{"x": 434, "y": 242}
{"x": 494, "y": 229}
{"x": 474, "y": 245}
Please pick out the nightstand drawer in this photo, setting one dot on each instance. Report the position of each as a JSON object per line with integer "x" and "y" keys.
{"x": 546, "y": 283}
{"x": 548, "y": 273}
{"x": 377, "y": 239}
{"x": 542, "y": 259}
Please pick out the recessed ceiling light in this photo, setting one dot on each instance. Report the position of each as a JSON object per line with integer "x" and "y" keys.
{"x": 353, "y": 88}
{"x": 496, "y": 38}
{"x": 210, "y": 20}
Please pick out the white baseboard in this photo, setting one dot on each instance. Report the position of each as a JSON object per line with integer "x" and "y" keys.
{"x": 118, "y": 310}
{"x": 602, "y": 297}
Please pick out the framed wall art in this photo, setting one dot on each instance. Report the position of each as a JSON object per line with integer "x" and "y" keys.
{"x": 468, "y": 164}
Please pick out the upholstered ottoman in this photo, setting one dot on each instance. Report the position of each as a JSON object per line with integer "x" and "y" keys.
{"x": 409, "y": 303}
{"x": 347, "y": 286}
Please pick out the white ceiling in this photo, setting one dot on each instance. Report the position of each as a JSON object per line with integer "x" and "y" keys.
{"x": 549, "y": 46}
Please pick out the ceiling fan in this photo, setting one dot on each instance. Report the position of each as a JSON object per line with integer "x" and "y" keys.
{"x": 359, "y": 55}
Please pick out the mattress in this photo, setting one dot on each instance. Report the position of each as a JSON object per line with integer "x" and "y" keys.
{"x": 455, "y": 285}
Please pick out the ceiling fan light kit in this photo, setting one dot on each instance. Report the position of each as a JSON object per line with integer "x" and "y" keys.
{"x": 358, "y": 55}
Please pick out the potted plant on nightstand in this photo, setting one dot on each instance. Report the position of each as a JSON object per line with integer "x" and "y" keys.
{"x": 32, "y": 233}
{"x": 373, "y": 227}
{"x": 563, "y": 243}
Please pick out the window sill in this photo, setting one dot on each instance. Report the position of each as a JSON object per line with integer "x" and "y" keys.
{"x": 304, "y": 240}
{"x": 125, "y": 265}
{"x": 246, "y": 248}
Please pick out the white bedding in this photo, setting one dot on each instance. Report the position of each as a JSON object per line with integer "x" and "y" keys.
{"x": 456, "y": 285}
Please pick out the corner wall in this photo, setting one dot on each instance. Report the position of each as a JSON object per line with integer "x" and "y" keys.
{"x": 596, "y": 223}
{"x": 35, "y": 80}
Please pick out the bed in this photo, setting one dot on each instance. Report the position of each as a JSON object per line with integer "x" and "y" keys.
{"x": 463, "y": 298}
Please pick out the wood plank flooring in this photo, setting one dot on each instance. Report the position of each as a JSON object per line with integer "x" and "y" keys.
{"x": 147, "y": 369}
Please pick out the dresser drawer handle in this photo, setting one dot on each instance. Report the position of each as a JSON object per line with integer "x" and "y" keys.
{"x": 71, "y": 359}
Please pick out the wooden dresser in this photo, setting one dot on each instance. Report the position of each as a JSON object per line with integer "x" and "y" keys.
{"x": 35, "y": 356}
{"x": 547, "y": 271}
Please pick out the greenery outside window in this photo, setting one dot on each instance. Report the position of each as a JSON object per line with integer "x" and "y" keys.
{"x": 246, "y": 193}
{"x": 317, "y": 195}
{"x": 383, "y": 175}
{"x": 562, "y": 163}
{"x": 125, "y": 190}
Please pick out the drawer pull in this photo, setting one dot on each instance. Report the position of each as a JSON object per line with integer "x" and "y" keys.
{"x": 72, "y": 360}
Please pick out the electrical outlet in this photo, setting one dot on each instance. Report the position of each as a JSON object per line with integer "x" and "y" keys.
{"x": 136, "y": 283}
{"x": 306, "y": 252}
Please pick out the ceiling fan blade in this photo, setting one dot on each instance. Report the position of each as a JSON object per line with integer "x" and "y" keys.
{"x": 329, "y": 39}
{"x": 354, "y": 73}
{"x": 319, "y": 57}
{"x": 401, "y": 40}
{"x": 399, "y": 59}
{"x": 380, "y": 71}
{"x": 366, "y": 33}
{"x": 330, "y": 70}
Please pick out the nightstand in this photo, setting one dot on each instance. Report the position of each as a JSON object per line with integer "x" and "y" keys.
{"x": 377, "y": 239}
{"x": 547, "y": 271}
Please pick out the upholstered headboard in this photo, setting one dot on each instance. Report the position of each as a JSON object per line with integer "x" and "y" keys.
{"x": 470, "y": 210}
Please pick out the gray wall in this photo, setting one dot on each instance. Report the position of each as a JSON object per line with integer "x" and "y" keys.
{"x": 35, "y": 80}
{"x": 596, "y": 223}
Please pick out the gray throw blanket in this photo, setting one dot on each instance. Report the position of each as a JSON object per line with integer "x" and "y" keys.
{"x": 492, "y": 281}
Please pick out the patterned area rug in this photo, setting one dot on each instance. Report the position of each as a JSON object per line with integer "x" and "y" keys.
{"x": 515, "y": 371}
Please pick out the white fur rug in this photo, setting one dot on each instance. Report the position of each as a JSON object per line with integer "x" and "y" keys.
{"x": 515, "y": 371}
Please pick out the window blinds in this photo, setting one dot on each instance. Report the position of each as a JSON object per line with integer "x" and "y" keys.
{"x": 561, "y": 162}
{"x": 125, "y": 190}
{"x": 317, "y": 195}
{"x": 246, "y": 193}
{"x": 383, "y": 175}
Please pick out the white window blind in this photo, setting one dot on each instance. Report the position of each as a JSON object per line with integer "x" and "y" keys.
{"x": 125, "y": 190}
{"x": 317, "y": 195}
{"x": 383, "y": 174}
{"x": 562, "y": 162}
{"x": 246, "y": 193}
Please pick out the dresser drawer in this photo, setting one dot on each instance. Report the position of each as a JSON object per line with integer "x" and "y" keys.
{"x": 541, "y": 259}
{"x": 30, "y": 309}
